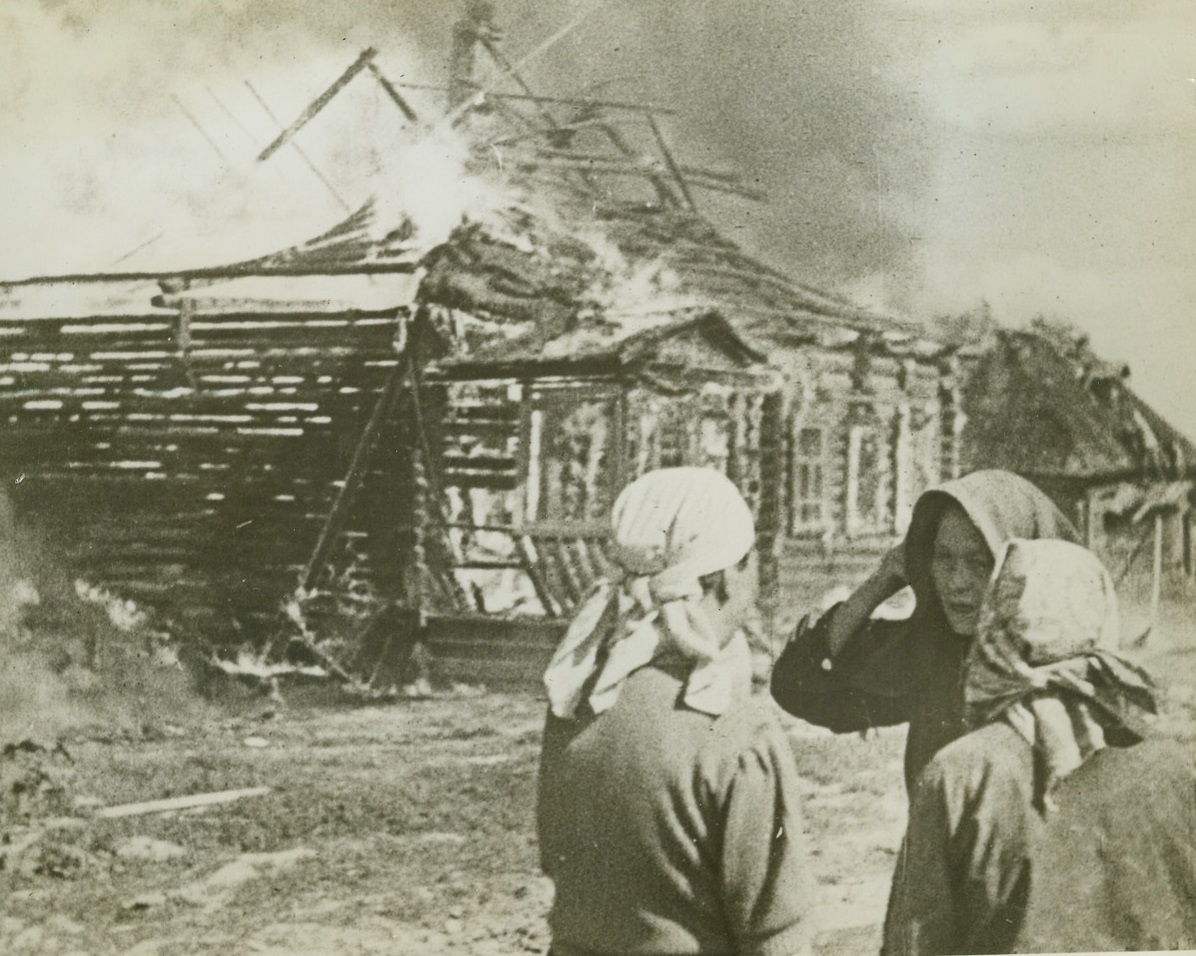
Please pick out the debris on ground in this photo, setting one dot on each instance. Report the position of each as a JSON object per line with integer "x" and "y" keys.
{"x": 35, "y": 781}
{"x": 148, "y": 850}
{"x": 217, "y": 889}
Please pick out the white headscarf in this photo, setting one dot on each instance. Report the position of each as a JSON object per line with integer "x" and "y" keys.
{"x": 668, "y": 528}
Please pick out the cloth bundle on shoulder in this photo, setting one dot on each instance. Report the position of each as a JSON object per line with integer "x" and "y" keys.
{"x": 1045, "y": 659}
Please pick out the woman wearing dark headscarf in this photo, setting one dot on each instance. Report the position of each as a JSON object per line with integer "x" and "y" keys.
{"x": 1053, "y": 826}
{"x": 849, "y": 672}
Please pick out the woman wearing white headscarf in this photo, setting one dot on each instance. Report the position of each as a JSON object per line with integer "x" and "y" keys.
{"x": 666, "y": 813}
{"x": 1054, "y": 825}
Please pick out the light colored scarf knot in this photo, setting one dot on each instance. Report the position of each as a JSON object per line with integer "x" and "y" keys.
{"x": 669, "y": 528}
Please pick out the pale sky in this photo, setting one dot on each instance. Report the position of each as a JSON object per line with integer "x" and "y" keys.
{"x": 921, "y": 155}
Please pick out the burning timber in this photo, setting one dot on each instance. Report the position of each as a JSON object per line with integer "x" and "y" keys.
{"x": 395, "y": 436}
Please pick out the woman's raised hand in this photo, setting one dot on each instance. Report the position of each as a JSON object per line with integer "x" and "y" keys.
{"x": 892, "y": 568}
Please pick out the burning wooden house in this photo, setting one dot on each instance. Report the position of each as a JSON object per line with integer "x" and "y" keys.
{"x": 425, "y": 439}
{"x": 661, "y": 345}
{"x": 180, "y": 439}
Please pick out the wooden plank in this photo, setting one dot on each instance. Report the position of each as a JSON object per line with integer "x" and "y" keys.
{"x": 531, "y": 565}
{"x": 319, "y": 103}
{"x": 587, "y": 570}
{"x": 456, "y": 461}
{"x": 178, "y": 803}
{"x": 495, "y": 481}
{"x": 358, "y": 338}
{"x": 352, "y": 480}
{"x": 558, "y": 549}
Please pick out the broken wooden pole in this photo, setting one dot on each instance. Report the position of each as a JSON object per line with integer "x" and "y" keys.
{"x": 1156, "y": 586}
{"x": 319, "y": 103}
{"x": 509, "y": 68}
{"x": 662, "y": 190}
{"x": 671, "y": 163}
{"x": 202, "y": 132}
{"x": 353, "y": 478}
{"x": 563, "y": 100}
{"x": 179, "y": 803}
{"x": 1129, "y": 562}
{"x": 298, "y": 149}
{"x": 394, "y": 94}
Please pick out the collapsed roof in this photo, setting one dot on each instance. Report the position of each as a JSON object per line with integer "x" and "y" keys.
{"x": 1040, "y": 403}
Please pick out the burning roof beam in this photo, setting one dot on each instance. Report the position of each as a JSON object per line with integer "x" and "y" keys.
{"x": 633, "y": 167}
{"x": 302, "y": 155}
{"x": 718, "y": 177}
{"x": 671, "y": 163}
{"x": 319, "y": 103}
{"x": 563, "y": 100}
{"x": 393, "y": 93}
{"x": 575, "y": 126}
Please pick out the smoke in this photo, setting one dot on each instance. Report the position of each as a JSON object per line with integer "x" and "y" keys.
{"x": 918, "y": 155}
{"x": 76, "y": 657}
{"x": 134, "y": 119}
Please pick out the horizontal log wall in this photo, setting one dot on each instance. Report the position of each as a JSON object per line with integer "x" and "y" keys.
{"x": 744, "y": 432}
{"x": 190, "y": 461}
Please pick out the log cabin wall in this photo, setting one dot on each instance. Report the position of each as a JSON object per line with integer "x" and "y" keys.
{"x": 864, "y": 439}
{"x": 831, "y": 446}
{"x": 529, "y": 469}
{"x": 188, "y": 461}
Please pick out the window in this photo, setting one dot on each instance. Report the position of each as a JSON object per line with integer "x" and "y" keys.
{"x": 714, "y": 442}
{"x": 917, "y": 456}
{"x": 868, "y": 480}
{"x": 807, "y": 481}
{"x": 571, "y": 467}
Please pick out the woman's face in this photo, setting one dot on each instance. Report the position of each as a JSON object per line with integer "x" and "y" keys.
{"x": 960, "y": 567}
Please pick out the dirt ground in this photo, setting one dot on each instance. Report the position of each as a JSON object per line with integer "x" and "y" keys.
{"x": 403, "y": 827}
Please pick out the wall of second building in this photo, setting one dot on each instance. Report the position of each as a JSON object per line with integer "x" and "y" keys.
{"x": 1130, "y": 543}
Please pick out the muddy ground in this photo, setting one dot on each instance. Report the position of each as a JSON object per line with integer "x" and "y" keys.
{"x": 399, "y": 827}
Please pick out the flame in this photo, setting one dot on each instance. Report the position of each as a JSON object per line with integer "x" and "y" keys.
{"x": 628, "y": 289}
{"x": 425, "y": 178}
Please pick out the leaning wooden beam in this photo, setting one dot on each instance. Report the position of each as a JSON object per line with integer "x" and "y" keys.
{"x": 528, "y": 557}
{"x": 671, "y": 162}
{"x": 357, "y": 467}
{"x": 319, "y": 103}
{"x": 507, "y": 110}
{"x": 179, "y": 803}
{"x": 662, "y": 190}
{"x": 701, "y": 181}
{"x": 298, "y": 149}
{"x": 563, "y": 100}
{"x": 1143, "y": 538}
{"x": 199, "y": 126}
{"x": 394, "y": 94}
{"x": 509, "y": 68}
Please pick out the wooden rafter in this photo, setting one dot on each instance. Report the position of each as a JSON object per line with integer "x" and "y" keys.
{"x": 319, "y": 103}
